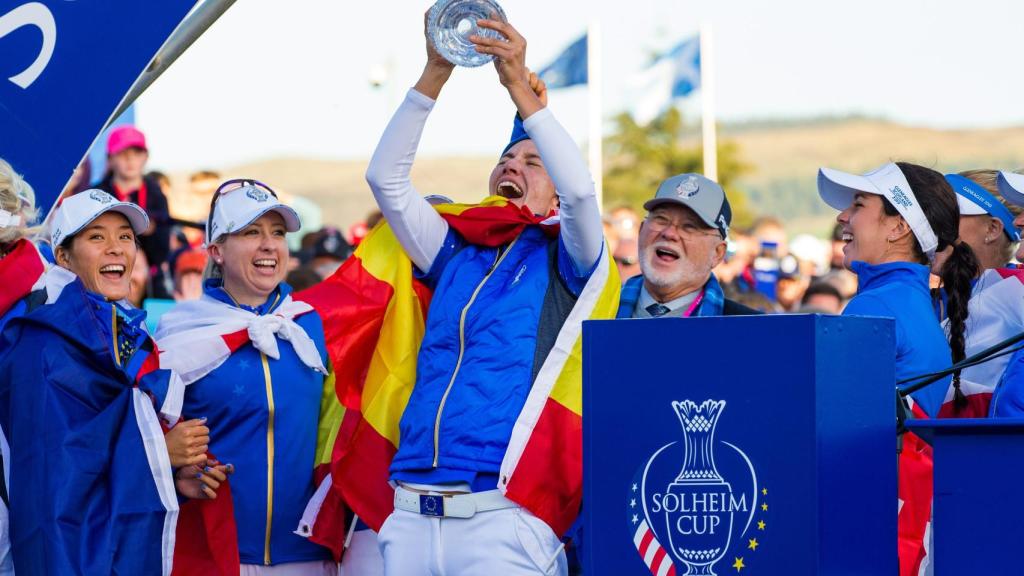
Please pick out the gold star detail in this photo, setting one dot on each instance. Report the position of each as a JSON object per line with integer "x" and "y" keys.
{"x": 764, "y": 491}
{"x": 764, "y": 507}
{"x": 753, "y": 544}
{"x": 738, "y": 564}
{"x": 760, "y": 524}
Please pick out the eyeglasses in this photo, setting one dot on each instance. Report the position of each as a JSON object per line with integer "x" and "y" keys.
{"x": 688, "y": 229}
{"x": 231, "y": 186}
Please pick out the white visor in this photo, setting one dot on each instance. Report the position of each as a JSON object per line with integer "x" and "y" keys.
{"x": 239, "y": 207}
{"x": 1011, "y": 186}
{"x": 837, "y": 189}
{"x": 77, "y": 211}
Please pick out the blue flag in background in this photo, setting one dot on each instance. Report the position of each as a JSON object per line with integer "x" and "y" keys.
{"x": 674, "y": 74}
{"x": 64, "y": 68}
{"x": 569, "y": 69}
{"x": 685, "y": 61}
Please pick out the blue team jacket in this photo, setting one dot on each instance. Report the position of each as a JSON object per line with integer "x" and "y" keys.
{"x": 262, "y": 414}
{"x": 493, "y": 317}
{"x": 899, "y": 290}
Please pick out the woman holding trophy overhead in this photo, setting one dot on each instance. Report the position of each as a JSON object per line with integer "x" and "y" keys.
{"x": 503, "y": 290}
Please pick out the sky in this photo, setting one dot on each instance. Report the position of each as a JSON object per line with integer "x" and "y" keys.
{"x": 274, "y": 78}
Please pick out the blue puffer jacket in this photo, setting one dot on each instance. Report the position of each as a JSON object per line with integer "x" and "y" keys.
{"x": 493, "y": 318}
{"x": 899, "y": 290}
{"x": 262, "y": 414}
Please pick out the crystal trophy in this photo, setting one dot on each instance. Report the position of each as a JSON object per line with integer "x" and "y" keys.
{"x": 450, "y": 23}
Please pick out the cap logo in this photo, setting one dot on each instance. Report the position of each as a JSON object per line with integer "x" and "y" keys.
{"x": 257, "y": 194}
{"x": 722, "y": 224}
{"x": 688, "y": 188}
{"x": 101, "y": 197}
{"x": 900, "y": 197}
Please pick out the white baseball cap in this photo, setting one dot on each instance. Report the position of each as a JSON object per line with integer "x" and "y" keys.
{"x": 76, "y": 212}
{"x": 241, "y": 202}
{"x": 1011, "y": 186}
{"x": 838, "y": 188}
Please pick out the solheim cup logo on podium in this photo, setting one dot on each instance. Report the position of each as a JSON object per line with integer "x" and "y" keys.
{"x": 689, "y": 510}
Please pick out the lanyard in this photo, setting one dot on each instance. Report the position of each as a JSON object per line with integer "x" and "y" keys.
{"x": 694, "y": 305}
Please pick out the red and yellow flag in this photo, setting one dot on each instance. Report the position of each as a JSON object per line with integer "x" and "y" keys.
{"x": 374, "y": 314}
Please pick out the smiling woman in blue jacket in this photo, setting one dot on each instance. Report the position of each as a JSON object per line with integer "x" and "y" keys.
{"x": 899, "y": 223}
{"x": 91, "y": 486}
{"x": 255, "y": 364}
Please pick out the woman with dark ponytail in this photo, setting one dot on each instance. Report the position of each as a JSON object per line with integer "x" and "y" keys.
{"x": 987, "y": 225}
{"x": 900, "y": 223}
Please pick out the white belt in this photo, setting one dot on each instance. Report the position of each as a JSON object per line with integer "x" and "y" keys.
{"x": 451, "y": 506}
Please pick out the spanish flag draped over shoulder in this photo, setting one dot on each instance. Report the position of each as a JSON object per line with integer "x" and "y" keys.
{"x": 374, "y": 314}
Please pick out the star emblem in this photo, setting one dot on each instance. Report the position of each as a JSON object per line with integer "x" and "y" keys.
{"x": 753, "y": 544}
{"x": 764, "y": 491}
{"x": 244, "y": 364}
{"x": 632, "y": 503}
{"x": 635, "y": 519}
{"x": 239, "y": 390}
{"x": 634, "y": 487}
{"x": 760, "y": 524}
{"x": 764, "y": 507}
{"x": 738, "y": 564}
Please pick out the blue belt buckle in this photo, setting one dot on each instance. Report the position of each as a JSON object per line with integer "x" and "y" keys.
{"x": 431, "y": 505}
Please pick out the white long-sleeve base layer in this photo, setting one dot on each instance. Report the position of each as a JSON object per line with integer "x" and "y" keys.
{"x": 420, "y": 229}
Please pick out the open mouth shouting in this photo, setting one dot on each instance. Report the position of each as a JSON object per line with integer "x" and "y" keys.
{"x": 509, "y": 189}
{"x": 665, "y": 254}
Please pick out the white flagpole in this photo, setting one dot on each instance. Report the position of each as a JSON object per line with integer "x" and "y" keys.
{"x": 707, "y": 101}
{"x": 596, "y": 132}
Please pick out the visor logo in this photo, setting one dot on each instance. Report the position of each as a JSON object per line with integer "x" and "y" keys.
{"x": 900, "y": 197}
{"x": 257, "y": 194}
{"x": 101, "y": 197}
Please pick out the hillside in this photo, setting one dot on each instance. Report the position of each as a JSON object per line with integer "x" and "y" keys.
{"x": 784, "y": 156}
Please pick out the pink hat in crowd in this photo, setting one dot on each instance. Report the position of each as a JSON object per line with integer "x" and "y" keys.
{"x": 125, "y": 137}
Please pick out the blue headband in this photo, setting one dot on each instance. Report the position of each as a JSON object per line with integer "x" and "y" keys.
{"x": 973, "y": 192}
{"x": 518, "y": 134}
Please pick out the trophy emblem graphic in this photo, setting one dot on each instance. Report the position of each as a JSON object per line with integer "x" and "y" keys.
{"x": 688, "y": 511}
{"x": 697, "y": 504}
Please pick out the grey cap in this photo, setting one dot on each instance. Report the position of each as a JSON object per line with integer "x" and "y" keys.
{"x": 702, "y": 195}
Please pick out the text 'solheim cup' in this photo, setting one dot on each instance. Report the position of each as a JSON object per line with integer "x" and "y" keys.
{"x": 450, "y": 23}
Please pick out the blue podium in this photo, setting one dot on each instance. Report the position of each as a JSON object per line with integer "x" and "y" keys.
{"x": 741, "y": 445}
{"x": 978, "y": 506}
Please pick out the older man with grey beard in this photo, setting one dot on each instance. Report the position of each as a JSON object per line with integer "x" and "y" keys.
{"x": 681, "y": 240}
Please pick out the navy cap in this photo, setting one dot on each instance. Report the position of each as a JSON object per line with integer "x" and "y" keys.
{"x": 518, "y": 134}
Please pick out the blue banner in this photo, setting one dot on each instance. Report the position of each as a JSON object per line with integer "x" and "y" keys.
{"x": 64, "y": 68}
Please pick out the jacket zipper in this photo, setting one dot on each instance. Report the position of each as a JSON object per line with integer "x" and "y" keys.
{"x": 270, "y": 455}
{"x": 113, "y": 330}
{"x": 462, "y": 347}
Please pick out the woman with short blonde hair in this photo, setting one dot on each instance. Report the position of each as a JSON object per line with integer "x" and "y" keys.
{"x": 20, "y": 262}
